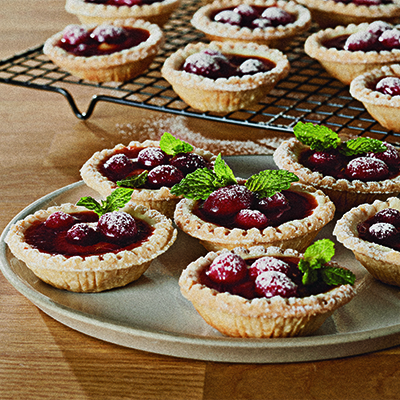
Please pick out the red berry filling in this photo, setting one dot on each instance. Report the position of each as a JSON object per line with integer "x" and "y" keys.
{"x": 388, "y": 85}
{"x": 119, "y": 3}
{"x": 213, "y": 64}
{"x": 102, "y": 40}
{"x": 263, "y": 277}
{"x": 87, "y": 235}
{"x": 383, "y": 228}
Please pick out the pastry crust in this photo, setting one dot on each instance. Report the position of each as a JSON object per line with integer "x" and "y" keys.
{"x": 331, "y": 13}
{"x": 346, "y": 65}
{"x": 92, "y": 273}
{"x": 159, "y": 199}
{"x": 383, "y": 263}
{"x": 276, "y": 317}
{"x": 344, "y": 193}
{"x": 382, "y": 107}
{"x": 296, "y": 234}
{"x": 222, "y": 94}
{"x": 119, "y": 66}
{"x": 92, "y": 13}
{"x": 278, "y": 37}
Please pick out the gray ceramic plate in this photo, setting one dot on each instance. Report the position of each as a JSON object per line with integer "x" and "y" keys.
{"x": 150, "y": 314}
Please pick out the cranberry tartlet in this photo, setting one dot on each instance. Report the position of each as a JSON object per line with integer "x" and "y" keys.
{"x": 104, "y": 11}
{"x": 115, "y": 51}
{"x": 347, "y": 52}
{"x": 74, "y": 249}
{"x": 371, "y": 232}
{"x": 349, "y": 177}
{"x": 331, "y": 13}
{"x": 259, "y": 293}
{"x": 268, "y": 209}
{"x": 224, "y": 76}
{"x": 379, "y": 91}
{"x": 150, "y": 167}
{"x": 268, "y": 22}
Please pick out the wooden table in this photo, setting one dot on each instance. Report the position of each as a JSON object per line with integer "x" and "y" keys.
{"x": 43, "y": 145}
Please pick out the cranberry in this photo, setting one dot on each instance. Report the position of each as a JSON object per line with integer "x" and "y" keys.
{"x": 82, "y": 234}
{"x": 228, "y": 201}
{"x": 367, "y": 169}
{"x": 275, "y": 204}
{"x": 361, "y": 41}
{"x": 151, "y": 157}
{"x": 164, "y": 175}
{"x": 390, "y": 39}
{"x": 128, "y": 3}
{"x": 74, "y": 35}
{"x": 228, "y": 17}
{"x": 118, "y": 226}
{"x": 325, "y": 161}
{"x": 378, "y": 27}
{"x": 247, "y": 219}
{"x": 388, "y": 215}
{"x": 274, "y": 283}
{"x": 119, "y": 166}
{"x": 227, "y": 268}
{"x": 268, "y": 263}
{"x": 390, "y": 156}
{"x": 247, "y": 12}
{"x": 277, "y": 16}
{"x": 261, "y": 23}
{"x": 382, "y": 232}
{"x": 188, "y": 162}
{"x": 109, "y": 34}
{"x": 59, "y": 220}
{"x": 389, "y": 85}
{"x": 367, "y": 3}
{"x": 252, "y": 66}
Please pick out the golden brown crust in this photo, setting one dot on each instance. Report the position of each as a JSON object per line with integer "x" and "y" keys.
{"x": 94, "y": 273}
{"x": 342, "y": 64}
{"x": 236, "y": 316}
{"x": 278, "y": 37}
{"x": 382, "y": 262}
{"x": 296, "y": 234}
{"x": 344, "y": 193}
{"x": 224, "y": 95}
{"x": 160, "y": 199}
{"x": 91, "y": 13}
{"x": 120, "y": 66}
{"x": 382, "y": 107}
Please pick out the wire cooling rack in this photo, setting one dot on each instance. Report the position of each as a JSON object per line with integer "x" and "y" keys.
{"x": 308, "y": 94}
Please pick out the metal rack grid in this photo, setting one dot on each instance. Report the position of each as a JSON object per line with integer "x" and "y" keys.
{"x": 308, "y": 94}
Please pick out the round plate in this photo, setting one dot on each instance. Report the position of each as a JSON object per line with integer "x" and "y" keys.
{"x": 151, "y": 314}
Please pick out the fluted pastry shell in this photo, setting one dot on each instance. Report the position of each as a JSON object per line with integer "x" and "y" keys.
{"x": 276, "y": 317}
{"x": 158, "y": 199}
{"x": 92, "y": 13}
{"x": 382, "y": 262}
{"x": 383, "y": 108}
{"x": 346, "y": 65}
{"x": 98, "y": 272}
{"x": 224, "y": 94}
{"x": 119, "y": 66}
{"x": 277, "y": 37}
{"x": 344, "y": 193}
{"x": 331, "y": 13}
{"x": 295, "y": 234}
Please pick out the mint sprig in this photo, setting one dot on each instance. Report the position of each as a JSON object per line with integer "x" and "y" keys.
{"x": 173, "y": 146}
{"x": 320, "y": 138}
{"x": 134, "y": 181}
{"x": 313, "y": 266}
{"x": 116, "y": 200}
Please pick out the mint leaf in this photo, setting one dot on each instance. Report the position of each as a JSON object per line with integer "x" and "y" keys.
{"x": 318, "y": 137}
{"x": 173, "y": 146}
{"x": 320, "y": 251}
{"x": 134, "y": 181}
{"x": 116, "y": 200}
{"x": 267, "y": 183}
{"x": 361, "y": 145}
{"x": 336, "y": 276}
{"x": 223, "y": 172}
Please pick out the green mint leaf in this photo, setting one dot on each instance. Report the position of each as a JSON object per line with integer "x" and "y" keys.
{"x": 318, "y": 137}
{"x": 336, "y": 276}
{"x": 225, "y": 175}
{"x": 361, "y": 145}
{"x": 197, "y": 185}
{"x": 173, "y": 146}
{"x": 134, "y": 181}
{"x": 267, "y": 183}
{"x": 116, "y": 200}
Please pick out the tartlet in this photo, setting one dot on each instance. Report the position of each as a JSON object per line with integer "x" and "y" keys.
{"x": 331, "y": 13}
{"x": 342, "y": 64}
{"x": 382, "y": 262}
{"x": 92, "y": 13}
{"x": 277, "y": 37}
{"x": 98, "y": 272}
{"x": 118, "y": 66}
{"x": 224, "y": 94}
{"x": 384, "y": 108}
{"x": 273, "y": 317}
